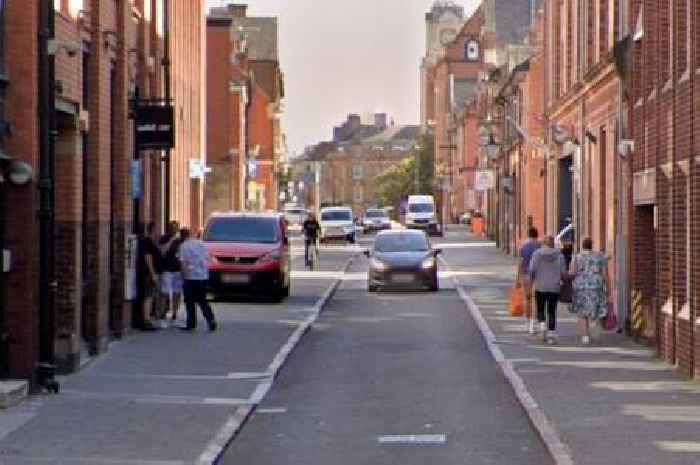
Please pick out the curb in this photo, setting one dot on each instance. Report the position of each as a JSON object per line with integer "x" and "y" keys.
{"x": 216, "y": 447}
{"x": 546, "y": 430}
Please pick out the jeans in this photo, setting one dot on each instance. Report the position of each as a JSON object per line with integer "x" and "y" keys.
{"x": 547, "y": 308}
{"x": 195, "y": 292}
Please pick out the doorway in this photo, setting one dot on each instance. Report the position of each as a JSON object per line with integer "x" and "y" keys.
{"x": 566, "y": 192}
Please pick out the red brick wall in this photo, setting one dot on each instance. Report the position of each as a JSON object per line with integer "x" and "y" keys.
{"x": 22, "y": 227}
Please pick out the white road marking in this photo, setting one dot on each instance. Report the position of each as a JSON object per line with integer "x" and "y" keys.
{"x": 246, "y": 375}
{"x": 547, "y": 431}
{"x": 99, "y": 460}
{"x": 413, "y": 439}
{"x": 271, "y": 410}
{"x": 216, "y": 447}
{"x": 157, "y": 399}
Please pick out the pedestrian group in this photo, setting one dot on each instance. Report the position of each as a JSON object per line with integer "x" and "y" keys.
{"x": 176, "y": 266}
{"x": 549, "y": 276}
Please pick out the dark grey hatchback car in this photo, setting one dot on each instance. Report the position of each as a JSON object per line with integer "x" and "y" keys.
{"x": 403, "y": 260}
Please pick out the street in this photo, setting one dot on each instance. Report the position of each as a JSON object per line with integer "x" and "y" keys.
{"x": 388, "y": 364}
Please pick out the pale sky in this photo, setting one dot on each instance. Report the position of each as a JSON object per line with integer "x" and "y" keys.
{"x": 347, "y": 56}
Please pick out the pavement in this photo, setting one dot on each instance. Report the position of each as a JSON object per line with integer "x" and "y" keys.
{"x": 170, "y": 398}
{"x": 612, "y": 402}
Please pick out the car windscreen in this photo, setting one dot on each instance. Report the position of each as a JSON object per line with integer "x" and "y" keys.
{"x": 294, "y": 212}
{"x": 375, "y": 214}
{"x": 336, "y": 215}
{"x": 256, "y": 230}
{"x": 421, "y": 208}
{"x": 401, "y": 243}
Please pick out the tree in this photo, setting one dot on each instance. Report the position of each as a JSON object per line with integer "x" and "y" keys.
{"x": 404, "y": 179}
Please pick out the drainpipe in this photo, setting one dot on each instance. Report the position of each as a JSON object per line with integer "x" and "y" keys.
{"x": 47, "y": 127}
{"x": 166, "y": 78}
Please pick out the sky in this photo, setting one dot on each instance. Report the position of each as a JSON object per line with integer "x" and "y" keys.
{"x": 347, "y": 56}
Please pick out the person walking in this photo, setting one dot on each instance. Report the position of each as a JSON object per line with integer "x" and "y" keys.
{"x": 523, "y": 276}
{"x": 147, "y": 270}
{"x": 194, "y": 258}
{"x": 171, "y": 278}
{"x": 311, "y": 229}
{"x": 547, "y": 269}
{"x": 589, "y": 271}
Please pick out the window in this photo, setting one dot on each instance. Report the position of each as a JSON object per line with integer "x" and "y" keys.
{"x": 421, "y": 208}
{"x": 358, "y": 172}
{"x": 357, "y": 194}
{"x": 255, "y": 230}
{"x": 401, "y": 243}
{"x": 336, "y": 215}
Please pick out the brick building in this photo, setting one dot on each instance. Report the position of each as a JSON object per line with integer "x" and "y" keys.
{"x": 348, "y": 173}
{"x": 665, "y": 121}
{"x": 103, "y": 52}
{"x": 255, "y": 40}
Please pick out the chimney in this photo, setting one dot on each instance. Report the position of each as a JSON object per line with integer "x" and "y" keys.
{"x": 238, "y": 10}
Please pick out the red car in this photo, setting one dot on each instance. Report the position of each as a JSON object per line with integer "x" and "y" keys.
{"x": 249, "y": 253}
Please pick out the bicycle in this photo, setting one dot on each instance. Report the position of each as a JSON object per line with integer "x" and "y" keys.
{"x": 314, "y": 261}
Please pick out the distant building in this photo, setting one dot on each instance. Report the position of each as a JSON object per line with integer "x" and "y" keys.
{"x": 349, "y": 173}
{"x": 256, "y": 68}
{"x": 353, "y": 129}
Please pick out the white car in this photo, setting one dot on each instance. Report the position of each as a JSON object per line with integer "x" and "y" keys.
{"x": 295, "y": 217}
{"x": 376, "y": 219}
{"x": 337, "y": 223}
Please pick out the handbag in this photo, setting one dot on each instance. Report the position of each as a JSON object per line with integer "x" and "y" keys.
{"x": 566, "y": 291}
{"x": 517, "y": 301}
{"x": 609, "y": 321}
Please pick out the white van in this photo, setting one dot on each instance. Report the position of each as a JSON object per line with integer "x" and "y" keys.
{"x": 337, "y": 223}
{"x": 421, "y": 214}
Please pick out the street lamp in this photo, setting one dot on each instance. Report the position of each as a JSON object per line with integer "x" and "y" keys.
{"x": 493, "y": 150}
{"x": 17, "y": 172}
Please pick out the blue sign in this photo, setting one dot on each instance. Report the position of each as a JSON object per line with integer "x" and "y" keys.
{"x": 135, "y": 173}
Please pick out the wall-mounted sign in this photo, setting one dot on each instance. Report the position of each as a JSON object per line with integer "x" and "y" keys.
{"x": 484, "y": 180}
{"x": 155, "y": 127}
{"x": 136, "y": 179}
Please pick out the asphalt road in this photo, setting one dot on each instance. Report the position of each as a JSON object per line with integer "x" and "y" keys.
{"x": 389, "y": 364}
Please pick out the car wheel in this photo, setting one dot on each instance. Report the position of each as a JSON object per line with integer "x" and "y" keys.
{"x": 371, "y": 288}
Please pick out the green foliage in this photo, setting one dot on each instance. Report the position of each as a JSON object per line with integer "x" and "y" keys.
{"x": 403, "y": 179}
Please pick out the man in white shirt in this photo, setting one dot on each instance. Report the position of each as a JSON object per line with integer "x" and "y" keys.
{"x": 195, "y": 272}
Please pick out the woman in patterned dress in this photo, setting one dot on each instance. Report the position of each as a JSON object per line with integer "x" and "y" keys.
{"x": 589, "y": 271}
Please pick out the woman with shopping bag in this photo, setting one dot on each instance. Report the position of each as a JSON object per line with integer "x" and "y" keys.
{"x": 589, "y": 271}
{"x": 522, "y": 281}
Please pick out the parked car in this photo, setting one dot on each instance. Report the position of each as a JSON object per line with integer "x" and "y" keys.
{"x": 249, "y": 252}
{"x": 376, "y": 219}
{"x": 337, "y": 223}
{"x": 295, "y": 216}
{"x": 421, "y": 214}
{"x": 402, "y": 259}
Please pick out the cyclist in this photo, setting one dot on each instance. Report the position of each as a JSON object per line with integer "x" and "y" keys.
{"x": 311, "y": 230}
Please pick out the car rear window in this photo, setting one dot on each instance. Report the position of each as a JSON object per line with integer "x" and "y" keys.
{"x": 336, "y": 215}
{"x": 256, "y": 230}
{"x": 401, "y": 243}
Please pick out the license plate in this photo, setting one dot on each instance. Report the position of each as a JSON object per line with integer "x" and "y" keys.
{"x": 403, "y": 278}
{"x": 235, "y": 279}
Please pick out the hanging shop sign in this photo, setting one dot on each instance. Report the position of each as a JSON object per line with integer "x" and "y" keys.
{"x": 483, "y": 180}
{"x": 155, "y": 128}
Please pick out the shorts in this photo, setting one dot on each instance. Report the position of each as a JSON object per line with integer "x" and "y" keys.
{"x": 171, "y": 283}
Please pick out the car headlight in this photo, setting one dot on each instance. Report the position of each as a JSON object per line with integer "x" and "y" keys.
{"x": 428, "y": 263}
{"x": 377, "y": 265}
{"x": 271, "y": 257}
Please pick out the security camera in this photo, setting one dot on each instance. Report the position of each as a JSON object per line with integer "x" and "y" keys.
{"x": 71, "y": 48}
